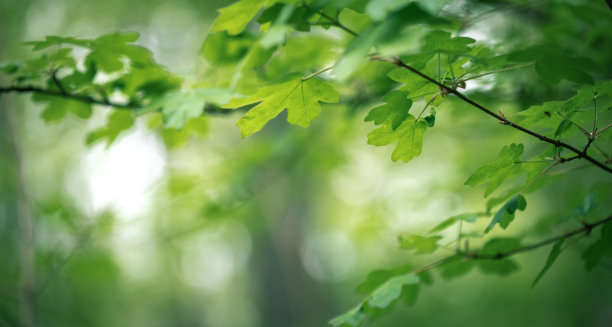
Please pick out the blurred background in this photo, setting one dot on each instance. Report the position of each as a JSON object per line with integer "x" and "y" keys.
{"x": 274, "y": 230}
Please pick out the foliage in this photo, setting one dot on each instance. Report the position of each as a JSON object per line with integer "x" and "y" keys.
{"x": 412, "y": 64}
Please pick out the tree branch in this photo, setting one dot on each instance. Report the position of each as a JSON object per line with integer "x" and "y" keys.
{"x": 500, "y": 255}
{"x": 208, "y": 108}
{"x": 585, "y": 229}
{"x": 503, "y": 120}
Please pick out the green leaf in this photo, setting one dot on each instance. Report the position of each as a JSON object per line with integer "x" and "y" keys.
{"x": 52, "y": 40}
{"x": 500, "y": 267}
{"x": 443, "y": 225}
{"x": 443, "y": 42}
{"x": 467, "y": 217}
{"x": 353, "y": 317}
{"x": 300, "y": 97}
{"x": 543, "y": 117}
{"x": 58, "y": 106}
{"x": 378, "y": 35}
{"x": 505, "y": 214}
{"x": 606, "y": 235}
{"x": 378, "y": 277}
{"x": 431, "y": 118}
{"x": 409, "y": 138}
{"x": 394, "y": 111}
{"x": 109, "y": 51}
{"x": 500, "y": 245}
{"x": 221, "y": 48}
{"x": 179, "y": 107}
{"x": 554, "y": 253}
{"x": 391, "y": 290}
{"x": 118, "y": 121}
{"x": 593, "y": 254}
{"x": 421, "y": 244}
{"x": 10, "y": 67}
{"x": 235, "y": 17}
{"x": 554, "y": 65}
{"x": 496, "y": 172}
{"x": 457, "y": 268}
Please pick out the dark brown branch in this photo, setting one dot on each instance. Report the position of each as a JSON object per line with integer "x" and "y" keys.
{"x": 208, "y": 108}
{"x": 503, "y": 120}
{"x": 74, "y": 96}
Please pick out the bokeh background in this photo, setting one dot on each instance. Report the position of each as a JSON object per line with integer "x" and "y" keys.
{"x": 274, "y": 230}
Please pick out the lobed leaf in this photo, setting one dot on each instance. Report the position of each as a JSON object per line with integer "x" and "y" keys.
{"x": 299, "y": 96}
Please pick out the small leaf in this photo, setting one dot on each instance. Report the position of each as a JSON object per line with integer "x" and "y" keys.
{"x": 421, "y": 244}
{"x": 443, "y": 225}
{"x": 554, "y": 253}
{"x": 58, "y": 106}
{"x": 500, "y": 267}
{"x": 409, "y": 138}
{"x": 505, "y": 214}
{"x": 500, "y": 245}
{"x": 353, "y": 317}
{"x": 496, "y": 172}
{"x": 457, "y": 268}
{"x": 391, "y": 290}
{"x": 394, "y": 111}
{"x": 467, "y": 217}
{"x": 442, "y": 42}
{"x": 235, "y": 17}
{"x": 592, "y": 255}
{"x": 118, "y": 122}
{"x": 606, "y": 235}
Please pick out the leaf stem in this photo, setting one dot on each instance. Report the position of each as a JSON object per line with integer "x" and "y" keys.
{"x": 595, "y": 118}
{"x": 540, "y": 175}
{"x": 318, "y": 72}
{"x": 603, "y": 129}
{"x": 573, "y": 122}
{"x": 498, "y": 71}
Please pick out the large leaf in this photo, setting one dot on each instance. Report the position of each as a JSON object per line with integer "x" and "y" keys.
{"x": 300, "y": 96}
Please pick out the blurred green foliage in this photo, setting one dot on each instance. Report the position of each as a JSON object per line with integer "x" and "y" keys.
{"x": 149, "y": 209}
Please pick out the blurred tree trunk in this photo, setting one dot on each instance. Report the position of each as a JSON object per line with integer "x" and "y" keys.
{"x": 25, "y": 222}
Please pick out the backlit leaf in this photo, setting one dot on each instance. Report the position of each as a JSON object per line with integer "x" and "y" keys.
{"x": 300, "y": 97}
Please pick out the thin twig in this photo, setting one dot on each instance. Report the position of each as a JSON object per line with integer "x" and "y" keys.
{"x": 603, "y": 129}
{"x": 575, "y": 123}
{"x": 586, "y": 228}
{"x": 498, "y": 71}
{"x": 540, "y": 175}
